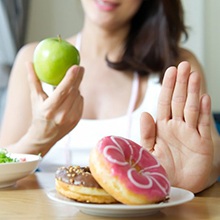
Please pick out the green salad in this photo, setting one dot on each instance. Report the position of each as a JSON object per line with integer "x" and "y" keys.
{"x": 5, "y": 157}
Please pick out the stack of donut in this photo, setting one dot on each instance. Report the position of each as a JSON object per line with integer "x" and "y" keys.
{"x": 121, "y": 171}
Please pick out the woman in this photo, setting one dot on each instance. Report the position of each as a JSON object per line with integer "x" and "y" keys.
{"x": 124, "y": 56}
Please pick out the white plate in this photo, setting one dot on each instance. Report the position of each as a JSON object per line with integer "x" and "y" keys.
{"x": 10, "y": 173}
{"x": 177, "y": 196}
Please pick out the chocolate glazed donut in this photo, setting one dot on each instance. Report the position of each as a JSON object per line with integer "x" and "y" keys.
{"x": 77, "y": 183}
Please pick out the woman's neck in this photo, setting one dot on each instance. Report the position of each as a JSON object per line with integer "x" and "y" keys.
{"x": 102, "y": 41}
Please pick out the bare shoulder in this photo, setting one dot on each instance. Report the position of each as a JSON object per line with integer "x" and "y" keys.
{"x": 187, "y": 55}
{"x": 19, "y": 71}
{"x": 27, "y": 51}
{"x": 24, "y": 55}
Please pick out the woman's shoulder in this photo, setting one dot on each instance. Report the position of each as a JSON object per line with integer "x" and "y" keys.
{"x": 187, "y": 55}
{"x": 26, "y": 52}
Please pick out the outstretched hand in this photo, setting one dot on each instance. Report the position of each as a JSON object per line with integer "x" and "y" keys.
{"x": 54, "y": 116}
{"x": 181, "y": 137}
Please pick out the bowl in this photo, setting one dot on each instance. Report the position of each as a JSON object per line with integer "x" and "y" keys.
{"x": 11, "y": 172}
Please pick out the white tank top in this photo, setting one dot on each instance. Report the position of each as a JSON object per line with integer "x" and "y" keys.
{"x": 75, "y": 147}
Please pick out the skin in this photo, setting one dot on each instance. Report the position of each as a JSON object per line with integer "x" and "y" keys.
{"x": 182, "y": 137}
{"x": 34, "y": 122}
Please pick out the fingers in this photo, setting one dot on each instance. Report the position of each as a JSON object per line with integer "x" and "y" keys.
{"x": 65, "y": 99}
{"x": 192, "y": 105}
{"x": 204, "y": 121}
{"x": 72, "y": 79}
{"x": 70, "y": 82}
{"x": 34, "y": 83}
{"x": 31, "y": 74}
{"x": 180, "y": 91}
{"x": 71, "y": 109}
{"x": 148, "y": 131}
{"x": 66, "y": 102}
{"x": 76, "y": 109}
{"x": 180, "y": 98}
{"x": 164, "y": 101}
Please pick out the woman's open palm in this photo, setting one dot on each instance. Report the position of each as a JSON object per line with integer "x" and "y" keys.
{"x": 181, "y": 137}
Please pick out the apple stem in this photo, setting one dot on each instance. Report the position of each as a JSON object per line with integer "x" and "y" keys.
{"x": 59, "y": 38}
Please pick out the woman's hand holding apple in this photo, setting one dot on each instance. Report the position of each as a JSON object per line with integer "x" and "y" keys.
{"x": 54, "y": 116}
{"x": 55, "y": 62}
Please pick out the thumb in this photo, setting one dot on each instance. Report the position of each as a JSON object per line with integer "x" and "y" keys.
{"x": 34, "y": 83}
{"x": 148, "y": 131}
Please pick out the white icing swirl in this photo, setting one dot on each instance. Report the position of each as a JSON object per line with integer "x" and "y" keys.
{"x": 152, "y": 177}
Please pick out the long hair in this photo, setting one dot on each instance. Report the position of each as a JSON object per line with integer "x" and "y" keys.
{"x": 152, "y": 43}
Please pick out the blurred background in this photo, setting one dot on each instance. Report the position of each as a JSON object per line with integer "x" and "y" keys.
{"x": 23, "y": 21}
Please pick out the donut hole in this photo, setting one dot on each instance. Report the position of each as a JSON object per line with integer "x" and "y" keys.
{"x": 136, "y": 166}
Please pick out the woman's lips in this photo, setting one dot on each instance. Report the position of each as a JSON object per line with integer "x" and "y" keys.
{"x": 106, "y": 5}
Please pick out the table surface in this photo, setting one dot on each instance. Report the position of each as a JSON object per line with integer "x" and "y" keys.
{"x": 28, "y": 200}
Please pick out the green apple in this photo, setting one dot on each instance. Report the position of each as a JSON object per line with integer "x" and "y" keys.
{"x": 52, "y": 58}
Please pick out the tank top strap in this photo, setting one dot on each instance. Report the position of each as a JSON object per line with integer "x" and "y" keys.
{"x": 68, "y": 137}
{"x": 133, "y": 101}
{"x": 78, "y": 41}
{"x": 134, "y": 93}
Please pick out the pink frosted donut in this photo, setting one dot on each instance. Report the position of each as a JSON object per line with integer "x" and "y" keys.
{"x": 128, "y": 172}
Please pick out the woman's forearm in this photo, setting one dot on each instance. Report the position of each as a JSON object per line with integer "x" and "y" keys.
{"x": 40, "y": 137}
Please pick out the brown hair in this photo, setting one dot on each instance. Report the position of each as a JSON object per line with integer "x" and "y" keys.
{"x": 152, "y": 43}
